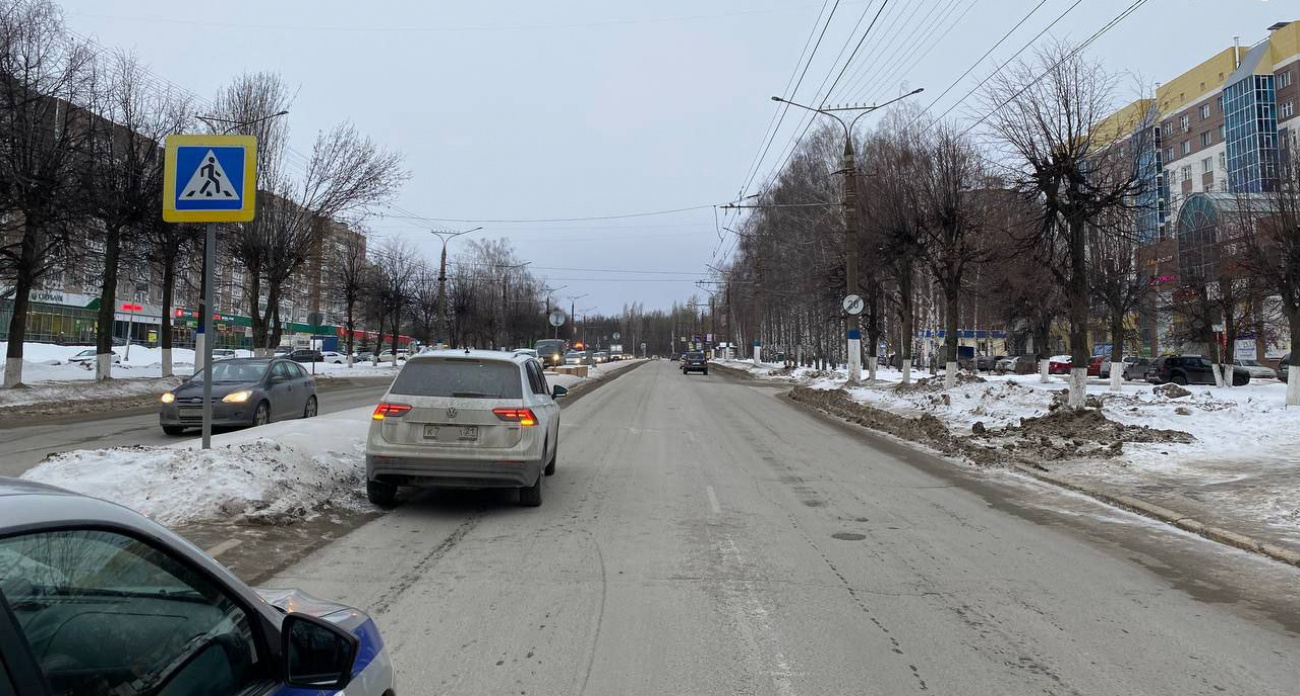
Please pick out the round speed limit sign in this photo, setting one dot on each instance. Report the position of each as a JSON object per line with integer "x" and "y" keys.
{"x": 854, "y": 305}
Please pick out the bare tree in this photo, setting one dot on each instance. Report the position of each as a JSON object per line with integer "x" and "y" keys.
{"x": 350, "y": 269}
{"x": 44, "y": 83}
{"x": 123, "y": 179}
{"x": 1118, "y": 285}
{"x": 345, "y": 172}
{"x": 396, "y": 267}
{"x": 1045, "y": 113}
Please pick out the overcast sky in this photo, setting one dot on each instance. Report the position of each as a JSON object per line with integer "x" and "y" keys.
{"x": 527, "y": 110}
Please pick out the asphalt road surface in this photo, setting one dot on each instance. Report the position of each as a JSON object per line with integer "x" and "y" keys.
{"x": 26, "y": 444}
{"x": 705, "y": 536}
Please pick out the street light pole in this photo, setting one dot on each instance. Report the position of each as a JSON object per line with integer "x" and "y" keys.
{"x": 446, "y": 236}
{"x": 850, "y": 195}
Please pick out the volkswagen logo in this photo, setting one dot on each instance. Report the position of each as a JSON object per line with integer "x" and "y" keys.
{"x": 451, "y": 412}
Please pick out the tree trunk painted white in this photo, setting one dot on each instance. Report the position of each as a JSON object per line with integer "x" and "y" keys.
{"x": 103, "y": 366}
{"x": 871, "y": 367}
{"x": 950, "y": 375}
{"x": 1042, "y": 372}
{"x": 349, "y": 360}
{"x": 13, "y": 372}
{"x": 855, "y": 360}
{"x": 1292, "y": 386}
{"x": 1117, "y": 376}
{"x": 907, "y": 371}
{"x": 1226, "y": 371}
{"x": 1078, "y": 387}
{"x": 1218, "y": 376}
{"x": 167, "y": 362}
{"x": 198, "y": 352}
{"x": 758, "y": 352}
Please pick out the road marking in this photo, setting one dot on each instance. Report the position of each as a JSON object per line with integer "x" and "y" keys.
{"x": 223, "y": 547}
{"x": 713, "y": 500}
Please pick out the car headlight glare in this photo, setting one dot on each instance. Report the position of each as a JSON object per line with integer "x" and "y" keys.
{"x": 238, "y": 397}
{"x": 168, "y": 397}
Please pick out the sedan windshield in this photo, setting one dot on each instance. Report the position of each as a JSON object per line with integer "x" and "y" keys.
{"x": 233, "y": 372}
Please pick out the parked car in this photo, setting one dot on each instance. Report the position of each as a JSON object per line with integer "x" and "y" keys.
{"x": 364, "y": 356}
{"x": 386, "y": 355}
{"x": 1282, "y": 366}
{"x": 223, "y": 354}
{"x": 333, "y": 357}
{"x": 694, "y": 362}
{"x": 1190, "y": 369}
{"x": 1099, "y": 366}
{"x": 464, "y": 419}
{"x": 1256, "y": 369}
{"x": 245, "y": 392}
{"x": 305, "y": 355}
{"x": 87, "y": 357}
{"x": 987, "y": 363}
{"x": 1059, "y": 364}
{"x": 98, "y": 599}
{"x": 1136, "y": 368}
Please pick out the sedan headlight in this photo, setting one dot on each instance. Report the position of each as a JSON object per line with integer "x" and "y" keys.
{"x": 238, "y": 397}
{"x": 168, "y": 397}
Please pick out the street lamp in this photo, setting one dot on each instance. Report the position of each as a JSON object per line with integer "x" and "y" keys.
{"x": 853, "y": 334}
{"x": 446, "y": 236}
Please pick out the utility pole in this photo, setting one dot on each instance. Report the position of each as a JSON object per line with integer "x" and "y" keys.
{"x": 446, "y": 236}
{"x": 849, "y": 166}
{"x": 573, "y": 315}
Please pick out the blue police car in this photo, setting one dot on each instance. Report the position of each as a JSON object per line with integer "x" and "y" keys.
{"x": 98, "y": 600}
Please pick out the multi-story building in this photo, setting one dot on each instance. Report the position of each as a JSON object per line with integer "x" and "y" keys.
{"x": 1219, "y": 128}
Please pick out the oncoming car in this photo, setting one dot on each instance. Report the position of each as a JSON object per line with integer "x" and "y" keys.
{"x": 97, "y": 599}
{"x": 464, "y": 419}
{"x": 245, "y": 391}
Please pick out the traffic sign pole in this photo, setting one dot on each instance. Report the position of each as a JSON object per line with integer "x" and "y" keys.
{"x": 209, "y": 260}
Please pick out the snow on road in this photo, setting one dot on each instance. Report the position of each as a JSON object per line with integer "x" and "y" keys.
{"x": 290, "y": 469}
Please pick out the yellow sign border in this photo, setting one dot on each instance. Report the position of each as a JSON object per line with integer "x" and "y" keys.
{"x": 248, "y": 206}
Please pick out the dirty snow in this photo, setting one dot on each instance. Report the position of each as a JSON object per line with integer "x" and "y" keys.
{"x": 276, "y": 473}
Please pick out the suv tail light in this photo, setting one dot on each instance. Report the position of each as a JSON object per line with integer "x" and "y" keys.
{"x": 383, "y": 411}
{"x": 522, "y": 416}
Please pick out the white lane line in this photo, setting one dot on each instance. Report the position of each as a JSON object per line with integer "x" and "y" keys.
{"x": 223, "y": 547}
{"x": 713, "y": 500}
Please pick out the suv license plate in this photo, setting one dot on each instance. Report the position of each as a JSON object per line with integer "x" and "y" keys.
{"x": 431, "y": 432}
{"x": 468, "y": 432}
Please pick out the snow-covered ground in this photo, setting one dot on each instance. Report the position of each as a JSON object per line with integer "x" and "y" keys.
{"x": 1242, "y": 467}
{"x": 290, "y": 469}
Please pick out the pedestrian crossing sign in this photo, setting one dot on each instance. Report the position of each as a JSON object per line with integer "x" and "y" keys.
{"x": 210, "y": 178}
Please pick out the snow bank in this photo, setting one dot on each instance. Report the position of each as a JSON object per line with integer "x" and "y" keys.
{"x": 52, "y": 392}
{"x": 279, "y": 472}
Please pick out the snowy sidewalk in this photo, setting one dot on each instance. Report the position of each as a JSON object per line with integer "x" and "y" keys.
{"x": 1240, "y": 469}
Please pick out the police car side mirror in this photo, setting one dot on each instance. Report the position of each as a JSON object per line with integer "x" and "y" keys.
{"x": 316, "y": 653}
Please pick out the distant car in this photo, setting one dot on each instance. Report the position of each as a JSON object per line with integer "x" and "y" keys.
{"x": 550, "y": 351}
{"x": 1059, "y": 364}
{"x": 601, "y": 356}
{"x": 98, "y": 599}
{"x": 464, "y": 419}
{"x": 1282, "y": 367}
{"x": 1136, "y": 368}
{"x": 245, "y": 392}
{"x": 223, "y": 354}
{"x": 694, "y": 362}
{"x": 1099, "y": 366}
{"x": 988, "y": 363}
{"x": 333, "y": 357}
{"x": 1190, "y": 369}
{"x": 575, "y": 357}
{"x": 386, "y": 355}
{"x": 364, "y": 356}
{"x": 87, "y": 356}
{"x": 1256, "y": 369}
{"x": 305, "y": 355}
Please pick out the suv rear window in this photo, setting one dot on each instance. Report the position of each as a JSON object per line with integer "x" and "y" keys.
{"x": 459, "y": 377}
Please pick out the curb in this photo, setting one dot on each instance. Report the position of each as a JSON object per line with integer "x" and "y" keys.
{"x": 1163, "y": 514}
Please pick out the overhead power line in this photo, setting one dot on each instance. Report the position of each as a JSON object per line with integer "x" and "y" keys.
{"x": 510, "y": 221}
{"x": 1105, "y": 28}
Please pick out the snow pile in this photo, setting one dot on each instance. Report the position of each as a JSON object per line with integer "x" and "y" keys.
{"x": 277, "y": 473}
{"x": 53, "y": 392}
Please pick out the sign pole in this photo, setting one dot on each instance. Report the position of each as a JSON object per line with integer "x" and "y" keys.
{"x": 209, "y": 306}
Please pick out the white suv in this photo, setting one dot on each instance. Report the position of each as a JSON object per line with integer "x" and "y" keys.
{"x": 464, "y": 419}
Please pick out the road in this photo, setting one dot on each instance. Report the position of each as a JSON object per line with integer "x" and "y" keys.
{"x": 26, "y": 444}
{"x": 705, "y": 536}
